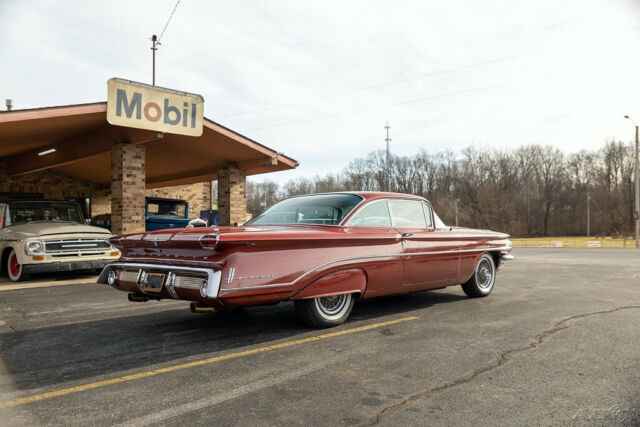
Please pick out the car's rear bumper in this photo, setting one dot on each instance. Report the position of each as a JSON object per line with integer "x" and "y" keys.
{"x": 178, "y": 281}
{"x": 66, "y": 266}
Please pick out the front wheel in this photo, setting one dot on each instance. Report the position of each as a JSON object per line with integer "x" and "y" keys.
{"x": 15, "y": 271}
{"x": 324, "y": 312}
{"x": 481, "y": 283}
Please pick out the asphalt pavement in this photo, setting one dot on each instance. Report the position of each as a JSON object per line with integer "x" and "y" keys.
{"x": 556, "y": 343}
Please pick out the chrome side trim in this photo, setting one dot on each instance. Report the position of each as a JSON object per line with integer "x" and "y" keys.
{"x": 251, "y": 288}
{"x": 283, "y": 285}
{"x": 213, "y": 276}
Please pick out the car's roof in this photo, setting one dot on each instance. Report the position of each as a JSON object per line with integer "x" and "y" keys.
{"x": 371, "y": 195}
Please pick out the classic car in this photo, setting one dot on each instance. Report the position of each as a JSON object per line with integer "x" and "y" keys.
{"x": 39, "y": 236}
{"x": 322, "y": 251}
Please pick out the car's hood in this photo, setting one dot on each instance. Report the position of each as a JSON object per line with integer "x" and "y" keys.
{"x": 53, "y": 229}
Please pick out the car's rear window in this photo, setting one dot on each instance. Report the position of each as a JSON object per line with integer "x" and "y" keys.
{"x": 320, "y": 209}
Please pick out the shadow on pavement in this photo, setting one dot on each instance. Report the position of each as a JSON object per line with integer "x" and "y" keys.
{"x": 51, "y": 355}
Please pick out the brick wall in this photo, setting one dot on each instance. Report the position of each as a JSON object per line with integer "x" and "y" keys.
{"x": 232, "y": 198}
{"x": 127, "y": 188}
{"x": 59, "y": 186}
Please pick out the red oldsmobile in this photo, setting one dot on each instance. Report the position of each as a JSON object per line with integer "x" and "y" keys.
{"x": 322, "y": 251}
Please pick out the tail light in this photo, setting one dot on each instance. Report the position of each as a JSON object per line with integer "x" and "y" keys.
{"x": 209, "y": 241}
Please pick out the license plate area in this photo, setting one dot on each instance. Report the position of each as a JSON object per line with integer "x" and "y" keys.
{"x": 153, "y": 282}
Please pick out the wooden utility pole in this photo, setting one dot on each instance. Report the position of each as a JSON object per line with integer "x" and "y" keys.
{"x": 154, "y": 47}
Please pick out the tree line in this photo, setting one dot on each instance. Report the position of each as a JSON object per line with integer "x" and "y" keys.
{"x": 533, "y": 190}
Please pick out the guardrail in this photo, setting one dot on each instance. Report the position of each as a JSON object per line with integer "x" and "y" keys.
{"x": 573, "y": 242}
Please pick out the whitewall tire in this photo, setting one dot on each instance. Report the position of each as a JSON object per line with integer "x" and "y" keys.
{"x": 325, "y": 312}
{"x": 15, "y": 270}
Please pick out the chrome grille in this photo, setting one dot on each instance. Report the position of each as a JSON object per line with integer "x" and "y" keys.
{"x": 75, "y": 246}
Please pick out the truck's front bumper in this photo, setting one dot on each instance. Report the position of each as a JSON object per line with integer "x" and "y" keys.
{"x": 66, "y": 266}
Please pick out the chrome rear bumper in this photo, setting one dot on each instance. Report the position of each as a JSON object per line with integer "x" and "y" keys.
{"x": 206, "y": 280}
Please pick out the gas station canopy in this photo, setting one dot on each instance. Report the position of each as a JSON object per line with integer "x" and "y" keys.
{"x": 77, "y": 140}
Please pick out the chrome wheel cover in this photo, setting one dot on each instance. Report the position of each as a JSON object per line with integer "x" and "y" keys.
{"x": 332, "y": 305}
{"x": 485, "y": 274}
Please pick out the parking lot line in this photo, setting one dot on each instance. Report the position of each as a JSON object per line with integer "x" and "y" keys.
{"x": 48, "y": 284}
{"x": 208, "y": 361}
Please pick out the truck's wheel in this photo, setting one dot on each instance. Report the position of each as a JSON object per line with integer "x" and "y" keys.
{"x": 14, "y": 269}
{"x": 324, "y": 312}
{"x": 483, "y": 279}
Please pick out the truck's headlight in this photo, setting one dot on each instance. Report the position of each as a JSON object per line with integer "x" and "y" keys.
{"x": 35, "y": 247}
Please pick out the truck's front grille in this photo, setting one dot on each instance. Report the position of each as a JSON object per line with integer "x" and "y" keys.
{"x": 74, "y": 246}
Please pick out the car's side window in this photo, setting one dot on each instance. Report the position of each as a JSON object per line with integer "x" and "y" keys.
{"x": 374, "y": 214}
{"x": 407, "y": 213}
{"x": 427, "y": 214}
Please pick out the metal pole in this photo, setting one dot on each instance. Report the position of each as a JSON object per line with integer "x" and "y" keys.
{"x": 588, "y": 215}
{"x": 456, "y": 205}
{"x": 637, "y": 210}
{"x": 154, "y": 47}
{"x": 388, "y": 177}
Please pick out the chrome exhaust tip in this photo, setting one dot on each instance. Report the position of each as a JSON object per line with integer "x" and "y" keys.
{"x": 201, "y": 308}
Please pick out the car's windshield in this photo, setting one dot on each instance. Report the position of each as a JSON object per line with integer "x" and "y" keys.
{"x": 26, "y": 212}
{"x": 321, "y": 209}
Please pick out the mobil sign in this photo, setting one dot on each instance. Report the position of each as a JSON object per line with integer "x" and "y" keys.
{"x": 142, "y": 106}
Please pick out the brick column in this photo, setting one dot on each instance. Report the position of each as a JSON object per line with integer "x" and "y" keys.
{"x": 127, "y": 188}
{"x": 232, "y": 199}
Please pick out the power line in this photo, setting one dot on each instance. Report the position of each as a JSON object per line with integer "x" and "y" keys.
{"x": 430, "y": 98}
{"x": 425, "y": 75}
{"x": 168, "y": 20}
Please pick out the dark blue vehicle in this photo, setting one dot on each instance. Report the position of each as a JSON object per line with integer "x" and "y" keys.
{"x": 162, "y": 213}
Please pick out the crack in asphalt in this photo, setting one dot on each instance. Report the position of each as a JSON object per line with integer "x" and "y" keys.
{"x": 13, "y": 309}
{"x": 504, "y": 357}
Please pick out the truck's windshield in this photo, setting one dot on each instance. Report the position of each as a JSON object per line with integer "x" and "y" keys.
{"x": 321, "y": 209}
{"x": 161, "y": 207}
{"x": 26, "y": 212}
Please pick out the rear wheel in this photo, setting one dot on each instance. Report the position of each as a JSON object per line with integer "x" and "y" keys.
{"x": 324, "y": 312}
{"x": 15, "y": 270}
{"x": 483, "y": 279}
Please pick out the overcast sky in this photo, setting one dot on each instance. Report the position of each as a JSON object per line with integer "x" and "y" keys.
{"x": 318, "y": 80}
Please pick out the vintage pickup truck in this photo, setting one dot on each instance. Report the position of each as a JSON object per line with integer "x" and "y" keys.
{"x": 47, "y": 235}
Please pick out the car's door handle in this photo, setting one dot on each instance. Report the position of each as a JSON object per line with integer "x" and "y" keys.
{"x": 405, "y": 235}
